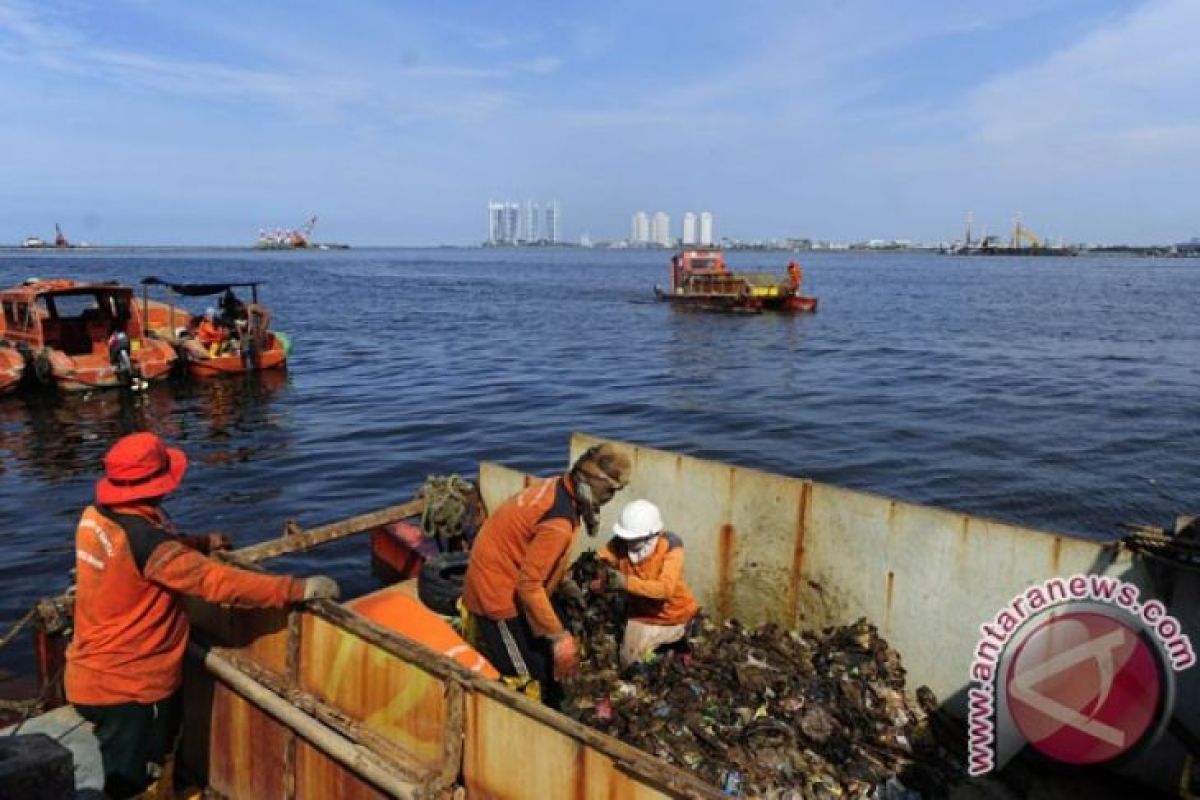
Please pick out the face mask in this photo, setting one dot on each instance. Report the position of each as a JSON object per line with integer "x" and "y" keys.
{"x": 639, "y": 551}
{"x": 587, "y": 506}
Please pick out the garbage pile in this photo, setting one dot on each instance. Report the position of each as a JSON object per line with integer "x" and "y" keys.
{"x": 761, "y": 712}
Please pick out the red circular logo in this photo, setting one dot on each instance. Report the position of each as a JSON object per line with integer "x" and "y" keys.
{"x": 1084, "y": 687}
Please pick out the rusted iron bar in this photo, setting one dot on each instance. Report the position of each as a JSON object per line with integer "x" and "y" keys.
{"x": 296, "y": 540}
{"x": 360, "y": 760}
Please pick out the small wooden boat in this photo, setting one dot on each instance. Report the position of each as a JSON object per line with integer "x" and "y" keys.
{"x": 80, "y": 336}
{"x": 12, "y": 367}
{"x": 245, "y": 342}
{"x": 701, "y": 280}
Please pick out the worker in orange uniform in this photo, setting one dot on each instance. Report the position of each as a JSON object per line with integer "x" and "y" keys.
{"x": 646, "y": 562}
{"x": 125, "y": 661}
{"x": 211, "y": 333}
{"x": 795, "y": 276}
{"x": 520, "y": 558}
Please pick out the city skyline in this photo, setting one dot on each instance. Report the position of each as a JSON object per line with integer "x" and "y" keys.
{"x": 523, "y": 223}
{"x": 172, "y": 122}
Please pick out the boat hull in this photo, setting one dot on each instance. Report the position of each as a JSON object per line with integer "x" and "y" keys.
{"x": 274, "y": 357}
{"x": 12, "y": 368}
{"x": 738, "y": 304}
{"x": 152, "y": 360}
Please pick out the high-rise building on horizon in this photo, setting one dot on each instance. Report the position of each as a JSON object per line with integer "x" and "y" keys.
{"x": 706, "y": 228}
{"x": 514, "y": 223}
{"x": 552, "y": 232}
{"x": 639, "y": 232}
{"x": 689, "y": 228}
{"x": 531, "y": 221}
{"x": 660, "y": 229}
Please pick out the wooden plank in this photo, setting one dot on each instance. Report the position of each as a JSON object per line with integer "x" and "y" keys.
{"x": 296, "y": 540}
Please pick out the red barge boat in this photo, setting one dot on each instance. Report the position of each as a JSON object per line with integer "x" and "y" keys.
{"x": 79, "y": 336}
{"x": 700, "y": 279}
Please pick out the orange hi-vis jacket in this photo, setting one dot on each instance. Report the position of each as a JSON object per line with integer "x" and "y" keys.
{"x": 130, "y": 627}
{"x": 520, "y": 556}
{"x": 209, "y": 333}
{"x": 657, "y": 592}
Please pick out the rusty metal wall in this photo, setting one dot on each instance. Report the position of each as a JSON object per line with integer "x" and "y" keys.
{"x": 552, "y": 764}
{"x": 402, "y": 703}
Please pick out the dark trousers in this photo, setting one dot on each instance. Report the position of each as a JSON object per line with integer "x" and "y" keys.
{"x": 514, "y": 650}
{"x": 132, "y": 736}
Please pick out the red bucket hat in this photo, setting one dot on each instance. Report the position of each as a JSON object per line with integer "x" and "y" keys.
{"x": 138, "y": 467}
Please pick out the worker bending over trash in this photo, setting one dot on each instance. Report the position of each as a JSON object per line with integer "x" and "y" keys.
{"x": 125, "y": 661}
{"x": 646, "y": 562}
{"x": 520, "y": 558}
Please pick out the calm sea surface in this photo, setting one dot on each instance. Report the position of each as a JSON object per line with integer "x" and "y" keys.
{"x": 1061, "y": 393}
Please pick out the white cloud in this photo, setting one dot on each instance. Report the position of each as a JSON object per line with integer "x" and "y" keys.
{"x": 1120, "y": 91}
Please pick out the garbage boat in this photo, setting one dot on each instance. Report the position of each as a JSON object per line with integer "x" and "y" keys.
{"x": 341, "y": 705}
{"x": 701, "y": 279}
{"x": 247, "y": 341}
{"x": 81, "y": 336}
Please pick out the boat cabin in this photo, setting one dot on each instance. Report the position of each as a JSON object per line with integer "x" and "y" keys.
{"x": 75, "y": 318}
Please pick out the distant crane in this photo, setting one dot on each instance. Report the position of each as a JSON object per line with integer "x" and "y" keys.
{"x": 294, "y": 238}
{"x": 60, "y": 239}
{"x": 1022, "y": 234}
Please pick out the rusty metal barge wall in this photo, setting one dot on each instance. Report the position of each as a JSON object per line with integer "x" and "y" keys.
{"x": 764, "y": 547}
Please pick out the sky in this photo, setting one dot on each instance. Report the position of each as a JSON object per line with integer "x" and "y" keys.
{"x": 172, "y": 122}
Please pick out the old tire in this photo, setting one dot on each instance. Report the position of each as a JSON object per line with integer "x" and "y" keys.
{"x": 440, "y": 583}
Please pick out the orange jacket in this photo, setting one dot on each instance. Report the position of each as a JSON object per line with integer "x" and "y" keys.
{"x": 208, "y": 333}
{"x": 520, "y": 556}
{"x": 130, "y": 627}
{"x": 657, "y": 592}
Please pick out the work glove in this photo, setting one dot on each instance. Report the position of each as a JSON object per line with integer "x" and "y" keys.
{"x": 320, "y": 587}
{"x": 571, "y": 592}
{"x": 616, "y": 579}
{"x": 566, "y": 656}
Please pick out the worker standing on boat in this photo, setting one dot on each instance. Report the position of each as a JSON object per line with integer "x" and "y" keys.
{"x": 646, "y": 562}
{"x": 125, "y": 661}
{"x": 520, "y": 558}
{"x": 795, "y": 276}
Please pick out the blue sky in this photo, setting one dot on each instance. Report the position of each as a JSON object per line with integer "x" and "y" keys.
{"x": 161, "y": 121}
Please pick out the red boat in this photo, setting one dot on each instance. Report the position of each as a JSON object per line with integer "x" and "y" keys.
{"x": 700, "y": 279}
{"x": 12, "y": 367}
{"x": 238, "y": 340}
{"x": 81, "y": 336}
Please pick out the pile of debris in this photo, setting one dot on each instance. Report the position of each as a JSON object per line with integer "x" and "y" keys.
{"x": 762, "y": 712}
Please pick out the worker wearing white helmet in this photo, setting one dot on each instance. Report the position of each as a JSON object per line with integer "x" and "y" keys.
{"x": 646, "y": 561}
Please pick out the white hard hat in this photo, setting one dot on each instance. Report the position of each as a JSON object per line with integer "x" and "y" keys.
{"x": 639, "y": 519}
